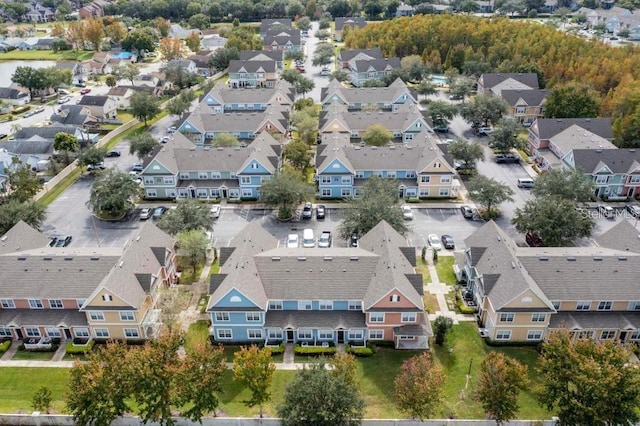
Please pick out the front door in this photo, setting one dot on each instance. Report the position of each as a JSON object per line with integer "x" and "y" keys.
{"x": 289, "y": 336}
{"x": 193, "y": 193}
{"x": 623, "y": 336}
{"x": 340, "y": 336}
{"x": 224, "y": 194}
{"x": 19, "y": 334}
{"x": 67, "y": 334}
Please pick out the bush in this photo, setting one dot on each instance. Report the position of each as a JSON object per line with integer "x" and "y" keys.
{"x": 277, "y": 350}
{"x": 4, "y": 346}
{"x": 71, "y": 349}
{"x": 314, "y": 350}
{"x": 20, "y": 110}
{"x": 496, "y": 343}
{"x": 360, "y": 351}
{"x": 412, "y": 200}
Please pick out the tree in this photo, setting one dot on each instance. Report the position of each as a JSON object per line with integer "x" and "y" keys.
{"x": 193, "y": 247}
{"x": 200, "y": 380}
{"x": 378, "y": 201}
{"x": 462, "y": 86}
{"x": 395, "y": 74}
{"x": 505, "y": 136}
{"x": 201, "y": 22}
{"x": 296, "y": 153}
{"x": 418, "y": 386}
{"x": 142, "y": 145}
{"x": 317, "y": 396}
{"x": 253, "y": 368}
{"x": 285, "y": 191}
{"x": 303, "y": 85}
{"x": 488, "y": 193}
{"x": 426, "y": 88}
{"x": 41, "y": 400}
{"x": 193, "y": 42}
{"x": 572, "y": 101}
{"x": 305, "y": 122}
{"x": 112, "y": 193}
{"x": 467, "y": 152}
{"x": 304, "y": 23}
{"x": 127, "y": 72}
{"x": 177, "y": 106}
{"x": 111, "y": 81}
{"x": 484, "y": 109}
{"x": 140, "y": 40}
{"x": 94, "y": 32}
{"x": 290, "y": 75}
{"x": 322, "y": 34}
{"x": 441, "y": 327}
{"x": 294, "y": 55}
{"x": 65, "y": 142}
{"x": 414, "y": 67}
{"x": 29, "y": 78}
{"x": 323, "y": 54}
{"x": 340, "y": 75}
{"x": 143, "y": 106}
{"x": 225, "y": 140}
{"x": 555, "y": 220}
{"x": 499, "y": 383}
{"x": 377, "y": 135}
{"x": 441, "y": 111}
{"x": 23, "y": 184}
{"x": 178, "y": 76}
{"x": 569, "y": 184}
{"x": 116, "y": 31}
{"x": 188, "y": 215}
{"x": 344, "y": 366}
{"x": 16, "y": 10}
{"x": 13, "y": 211}
{"x": 585, "y": 382}
{"x": 57, "y": 30}
{"x": 221, "y": 57}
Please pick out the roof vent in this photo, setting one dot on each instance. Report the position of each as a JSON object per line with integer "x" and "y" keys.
{"x": 22, "y": 258}
{"x": 597, "y": 258}
{"x": 543, "y": 258}
{"x": 571, "y": 258}
{"x": 622, "y": 257}
{"x": 302, "y": 259}
{"x": 354, "y": 258}
{"x": 120, "y": 264}
{"x": 328, "y": 258}
{"x": 275, "y": 258}
{"x": 95, "y": 257}
{"x": 68, "y": 258}
{"x": 513, "y": 265}
{"x": 48, "y": 258}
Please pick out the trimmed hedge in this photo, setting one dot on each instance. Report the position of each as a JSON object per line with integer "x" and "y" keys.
{"x": 71, "y": 349}
{"x": 314, "y": 350}
{"x": 497, "y": 344}
{"x": 4, "y": 346}
{"x": 277, "y": 350}
{"x": 360, "y": 351}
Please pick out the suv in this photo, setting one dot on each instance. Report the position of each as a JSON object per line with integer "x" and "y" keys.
{"x": 633, "y": 210}
{"x": 96, "y": 166}
{"x": 606, "y": 211}
{"x": 485, "y": 130}
{"x": 137, "y": 167}
{"x": 467, "y": 212}
{"x": 307, "y": 211}
{"x": 320, "y": 212}
{"x": 507, "y": 158}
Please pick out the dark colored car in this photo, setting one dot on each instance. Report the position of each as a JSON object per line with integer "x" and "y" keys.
{"x": 3, "y": 135}
{"x": 137, "y": 167}
{"x": 447, "y": 242}
{"x": 533, "y": 240}
{"x": 307, "y": 211}
{"x": 467, "y": 212}
{"x": 113, "y": 153}
{"x": 158, "y": 212}
{"x": 63, "y": 241}
{"x": 320, "y": 212}
{"x": 507, "y": 158}
{"x": 633, "y": 210}
{"x": 53, "y": 241}
{"x": 441, "y": 128}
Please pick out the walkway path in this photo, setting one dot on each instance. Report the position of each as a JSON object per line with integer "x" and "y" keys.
{"x": 440, "y": 290}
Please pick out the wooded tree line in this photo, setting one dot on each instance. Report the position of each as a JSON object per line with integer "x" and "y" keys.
{"x": 472, "y": 46}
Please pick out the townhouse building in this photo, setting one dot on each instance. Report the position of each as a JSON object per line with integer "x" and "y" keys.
{"x": 283, "y": 40}
{"x": 274, "y": 24}
{"x": 492, "y": 83}
{"x": 420, "y": 168}
{"x": 381, "y": 98}
{"x": 182, "y": 170}
{"x": 341, "y": 23}
{"x": 223, "y": 99}
{"x": 363, "y": 70}
{"x": 264, "y": 55}
{"x": 253, "y": 73}
{"x": 345, "y": 56}
{"x": 525, "y": 105}
{"x": 524, "y": 293}
{"x": 82, "y": 293}
{"x": 267, "y": 294}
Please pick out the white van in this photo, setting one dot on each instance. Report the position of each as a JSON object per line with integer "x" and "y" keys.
{"x": 525, "y": 183}
{"x": 308, "y": 241}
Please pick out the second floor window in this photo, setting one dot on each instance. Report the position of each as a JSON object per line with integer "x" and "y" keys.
{"x": 35, "y": 304}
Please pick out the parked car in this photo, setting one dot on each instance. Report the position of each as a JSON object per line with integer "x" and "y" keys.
{"x": 533, "y": 240}
{"x": 308, "y": 239}
{"x": 447, "y": 242}
{"x": 146, "y": 213}
{"x": 214, "y": 212}
{"x": 137, "y": 167}
{"x": 456, "y": 97}
{"x": 307, "y": 211}
{"x": 38, "y": 110}
{"x": 485, "y": 130}
{"x": 325, "y": 240}
{"x": 171, "y": 129}
{"x": 96, "y": 166}
{"x": 63, "y": 241}
{"x": 85, "y": 91}
{"x": 441, "y": 128}
{"x": 28, "y": 114}
{"x": 300, "y": 69}
{"x": 158, "y": 212}
{"x": 633, "y": 210}
{"x": 320, "y": 211}
{"x": 165, "y": 139}
{"x": 407, "y": 213}
{"x": 3, "y": 135}
{"x": 113, "y": 153}
{"x": 81, "y": 84}
{"x": 467, "y": 212}
{"x": 507, "y": 158}
{"x": 64, "y": 100}
{"x": 63, "y": 92}
{"x": 293, "y": 241}
{"x": 53, "y": 241}
{"x": 606, "y": 211}
{"x": 353, "y": 241}
{"x": 434, "y": 241}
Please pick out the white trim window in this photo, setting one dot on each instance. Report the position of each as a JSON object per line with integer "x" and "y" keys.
{"x": 245, "y": 180}
{"x": 56, "y": 304}
{"x": 131, "y": 333}
{"x": 605, "y": 305}
{"x": 101, "y": 332}
{"x": 81, "y": 332}
{"x": 607, "y": 334}
{"x": 583, "y": 305}
{"x": 445, "y": 179}
{"x": 151, "y": 193}
{"x": 222, "y": 316}
{"x": 503, "y": 335}
{"x": 354, "y": 305}
{"x": 305, "y": 305}
{"x": 355, "y": 335}
{"x": 127, "y": 316}
{"x": 203, "y": 175}
{"x": 443, "y": 192}
{"x": 376, "y": 316}
{"x": 534, "y": 335}
{"x": 255, "y": 333}
{"x": 253, "y": 316}
{"x": 275, "y": 334}
{"x": 325, "y": 305}
{"x": 376, "y": 334}
{"x": 345, "y": 192}
{"x": 275, "y": 305}
{"x": 8, "y": 304}
{"x": 96, "y": 315}
{"x": 35, "y": 304}
{"x": 425, "y": 179}
{"x": 325, "y": 334}
{"x": 507, "y": 317}
{"x": 538, "y": 317}
{"x": 634, "y": 305}
{"x": 326, "y": 192}
{"x": 167, "y": 180}
{"x": 32, "y": 331}
{"x": 304, "y": 333}
{"x": 408, "y": 317}
{"x": 5, "y": 332}
{"x": 224, "y": 333}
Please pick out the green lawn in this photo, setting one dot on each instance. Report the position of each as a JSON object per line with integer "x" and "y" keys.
{"x": 422, "y": 268}
{"x": 464, "y": 345}
{"x": 46, "y": 55}
{"x": 198, "y": 332}
{"x": 32, "y": 356}
{"x": 18, "y": 384}
{"x": 444, "y": 268}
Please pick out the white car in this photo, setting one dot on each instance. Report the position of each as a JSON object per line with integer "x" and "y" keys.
{"x": 64, "y": 100}
{"x": 407, "y": 213}
{"x": 214, "y": 212}
{"x": 292, "y": 241}
{"x": 145, "y": 213}
{"x": 434, "y": 241}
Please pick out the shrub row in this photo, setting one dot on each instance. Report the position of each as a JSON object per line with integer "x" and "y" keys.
{"x": 4, "y": 346}
{"x": 314, "y": 350}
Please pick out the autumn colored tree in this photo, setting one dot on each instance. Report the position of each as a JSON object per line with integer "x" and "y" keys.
{"x": 419, "y": 386}
{"x": 171, "y": 48}
{"x": 116, "y": 31}
{"x": 57, "y": 30}
{"x": 572, "y": 101}
{"x": 94, "y": 32}
{"x": 193, "y": 42}
{"x": 253, "y": 368}
{"x": 162, "y": 25}
{"x": 345, "y": 367}
{"x": 76, "y": 35}
{"x": 499, "y": 383}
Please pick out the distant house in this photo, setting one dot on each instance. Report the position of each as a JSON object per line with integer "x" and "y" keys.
{"x": 362, "y": 70}
{"x": 382, "y": 98}
{"x": 186, "y": 65}
{"x": 282, "y": 40}
{"x": 252, "y": 73}
{"x": 223, "y": 99}
{"x": 341, "y": 23}
{"x": 201, "y": 61}
{"x": 345, "y": 56}
{"x": 148, "y": 80}
{"x": 14, "y": 43}
{"x": 264, "y": 55}
{"x": 491, "y": 83}
{"x": 95, "y": 67}
{"x": 213, "y": 42}
{"x": 122, "y": 96}
{"x": 39, "y": 138}
{"x": 46, "y": 43}
{"x": 103, "y": 107}
{"x": 73, "y": 115}
{"x": 404, "y": 10}
{"x": 95, "y": 9}
{"x": 525, "y": 105}
{"x": 484, "y": 6}
{"x": 77, "y": 69}
{"x": 177, "y": 31}
{"x": 274, "y": 24}
{"x": 38, "y": 13}
{"x": 15, "y": 95}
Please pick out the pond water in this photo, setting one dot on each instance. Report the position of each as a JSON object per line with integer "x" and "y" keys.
{"x": 7, "y": 68}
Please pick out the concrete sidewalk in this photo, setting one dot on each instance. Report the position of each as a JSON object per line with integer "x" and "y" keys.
{"x": 69, "y": 364}
{"x": 440, "y": 290}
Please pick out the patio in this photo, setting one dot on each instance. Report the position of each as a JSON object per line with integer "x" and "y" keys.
{"x": 37, "y": 343}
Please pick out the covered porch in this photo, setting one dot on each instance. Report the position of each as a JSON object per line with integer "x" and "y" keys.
{"x": 413, "y": 336}
{"x": 315, "y": 328}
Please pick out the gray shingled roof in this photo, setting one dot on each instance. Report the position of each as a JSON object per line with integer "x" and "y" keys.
{"x": 225, "y": 95}
{"x": 595, "y": 321}
{"x": 529, "y": 97}
{"x": 22, "y": 237}
{"x": 367, "y": 95}
{"x": 346, "y": 55}
{"x": 490, "y": 80}
{"x": 622, "y": 236}
{"x": 93, "y": 100}
{"x": 623, "y": 160}
{"x": 504, "y": 276}
{"x": 72, "y": 115}
{"x": 549, "y": 127}
{"x": 364, "y": 65}
{"x": 315, "y": 319}
{"x": 252, "y": 55}
{"x": 42, "y": 317}
{"x": 354, "y": 22}
{"x": 205, "y": 121}
{"x": 360, "y": 120}
{"x": 282, "y": 37}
